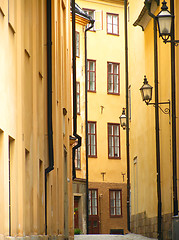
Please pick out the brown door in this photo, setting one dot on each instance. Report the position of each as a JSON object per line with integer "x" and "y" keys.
{"x": 76, "y": 217}
{"x": 93, "y": 212}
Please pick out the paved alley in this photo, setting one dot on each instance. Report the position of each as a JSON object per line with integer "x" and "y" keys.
{"x": 130, "y": 236}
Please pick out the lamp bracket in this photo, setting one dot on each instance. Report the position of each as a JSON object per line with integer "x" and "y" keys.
{"x": 165, "y": 111}
{"x": 176, "y": 42}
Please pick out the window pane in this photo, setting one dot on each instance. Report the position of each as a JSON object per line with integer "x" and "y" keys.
{"x": 95, "y": 211}
{"x": 115, "y": 68}
{"x": 115, "y": 29}
{"x": 110, "y": 83}
{"x": 118, "y": 211}
{"x": 93, "y": 151}
{"x": 116, "y": 141}
{"x": 112, "y": 211}
{"x": 116, "y": 151}
{"x": 93, "y": 128}
{"x": 92, "y": 76}
{"x": 111, "y": 151}
{"x": 92, "y": 66}
{"x": 110, "y": 129}
{"x": 116, "y": 130}
{"x": 78, "y": 103}
{"x": 89, "y": 150}
{"x": 115, "y": 20}
{"x": 91, "y": 13}
{"x": 109, "y": 28}
{"x": 92, "y": 86}
{"x": 111, "y": 141}
{"x": 109, "y": 19}
{"x": 116, "y": 89}
{"x": 109, "y": 67}
{"x": 93, "y": 140}
{"x": 78, "y": 87}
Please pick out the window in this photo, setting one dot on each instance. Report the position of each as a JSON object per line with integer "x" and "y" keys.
{"x": 93, "y": 202}
{"x": 113, "y": 140}
{"x": 91, "y": 13}
{"x": 115, "y": 203}
{"x": 113, "y": 78}
{"x": 113, "y": 24}
{"x": 77, "y": 44}
{"x": 78, "y": 97}
{"x": 91, "y": 71}
{"x": 78, "y": 158}
{"x": 92, "y": 139}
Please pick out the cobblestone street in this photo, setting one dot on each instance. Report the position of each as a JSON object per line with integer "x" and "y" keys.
{"x": 130, "y": 236}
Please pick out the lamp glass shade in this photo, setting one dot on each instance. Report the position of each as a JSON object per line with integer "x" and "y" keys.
{"x": 164, "y": 22}
{"x": 146, "y": 91}
{"x": 123, "y": 120}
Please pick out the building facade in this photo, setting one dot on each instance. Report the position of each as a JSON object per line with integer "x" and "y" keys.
{"x": 147, "y": 186}
{"x": 106, "y": 97}
{"x": 36, "y": 123}
{"x": 82, "y": 20}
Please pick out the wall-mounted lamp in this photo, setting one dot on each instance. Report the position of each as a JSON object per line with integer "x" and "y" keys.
{"x": 123, "y": 119}
{"x": 146, "y": 92}
{"x": 164, "y": 19}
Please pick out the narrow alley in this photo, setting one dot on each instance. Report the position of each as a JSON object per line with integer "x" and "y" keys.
{"x": 130, "y": 236}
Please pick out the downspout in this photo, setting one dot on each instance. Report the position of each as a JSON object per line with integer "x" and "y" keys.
{"x": 86, "y": 122}
{"x": 160, "y": 237}
{"x": 74, "y": 91}
{"x": 127, "y": 117}
{"x": 49, "y": 103}
{"x": 174, "y": 155}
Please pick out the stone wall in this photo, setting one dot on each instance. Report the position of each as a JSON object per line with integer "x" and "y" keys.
{"x": 145, "y": 226}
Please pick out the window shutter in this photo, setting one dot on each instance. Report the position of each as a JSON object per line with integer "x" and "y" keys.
{"x": 98, "y": 16}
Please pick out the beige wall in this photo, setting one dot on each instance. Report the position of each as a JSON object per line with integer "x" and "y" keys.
{"x": 23, "y": 124}
{"x": 142, "y": 126}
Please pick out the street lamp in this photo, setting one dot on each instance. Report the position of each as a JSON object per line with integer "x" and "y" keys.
{"x": 146, "y": 91}
{"x": 164, "y": 19}
{"x": 164, "y": 22}
{"x": 123, "y": 119}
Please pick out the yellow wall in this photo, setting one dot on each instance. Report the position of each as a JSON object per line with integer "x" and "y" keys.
{"x": 23, "y": 97}
{"x": 101, "y": 48}
{"x": 142, "y": 126}
{"x": 80, "y": 77}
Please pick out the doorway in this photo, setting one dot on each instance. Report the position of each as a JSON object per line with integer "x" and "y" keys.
{"x": 93, "y": 212}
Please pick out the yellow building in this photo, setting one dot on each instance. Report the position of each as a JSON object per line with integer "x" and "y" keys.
{"x": 150, "y": 180}
{"x": 106, "y": 97}
{"x": 82, "y": 20}
{"x": 36, "y": 123}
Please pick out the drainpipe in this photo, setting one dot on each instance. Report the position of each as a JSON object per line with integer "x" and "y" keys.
{"x": 74, "y": 90}
{"x": 49, "y": 104}
{"x": 127, "y": 117}
{"x": 86, "y": 121}
{"x": 160, "y": 237}
{"x": 174, "y": 155}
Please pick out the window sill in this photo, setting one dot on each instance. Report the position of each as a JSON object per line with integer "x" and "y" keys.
{"x": 116, "y": 216}
{"x": 78, "y": 169}
{"x": 114, "y": 158}
{"x": 117, "y": 94}
{"x": 92, "y": 156}
{"x": 113, "y": 34}
{"x": 91, "y": 91}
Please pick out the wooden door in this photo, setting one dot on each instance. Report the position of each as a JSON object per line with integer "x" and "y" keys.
{"x": 93, "y": 212}
{"x": 76, "y": 216}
